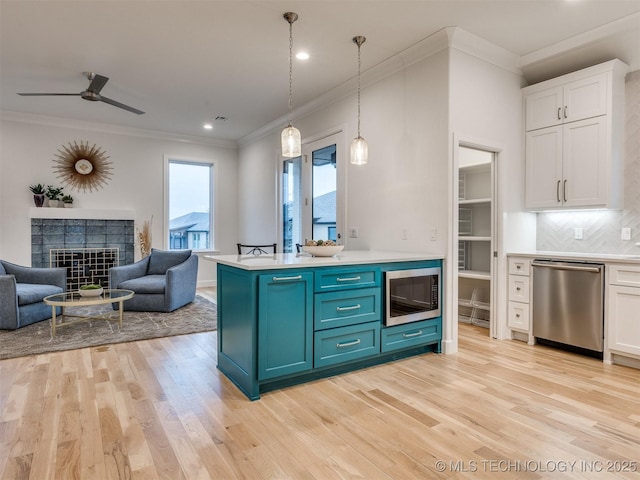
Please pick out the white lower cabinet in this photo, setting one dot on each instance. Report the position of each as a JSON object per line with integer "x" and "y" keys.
{"x": 623, "y": 310}
{"x": 519, "y": 316}
{"x": 519, "y": 307}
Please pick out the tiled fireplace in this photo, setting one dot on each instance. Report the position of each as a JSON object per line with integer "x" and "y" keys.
{"x": 87, "y": 240}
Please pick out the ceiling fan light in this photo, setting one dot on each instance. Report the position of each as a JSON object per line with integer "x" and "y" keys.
{"x": 291, "y": 142}
{"x": 359, "y": 151}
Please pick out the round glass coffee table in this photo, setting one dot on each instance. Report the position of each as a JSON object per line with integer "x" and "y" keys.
{"x": 73, "y": 299}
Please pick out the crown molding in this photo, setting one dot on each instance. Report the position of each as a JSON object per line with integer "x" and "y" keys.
{"x": 611, "y": 29}
{"x": 46, "y": 120}
{"x": 446, "y": 38}
{"x": 482, "y": 49}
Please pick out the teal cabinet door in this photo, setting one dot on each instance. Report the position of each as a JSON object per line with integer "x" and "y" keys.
{"x": 285, "y": 323}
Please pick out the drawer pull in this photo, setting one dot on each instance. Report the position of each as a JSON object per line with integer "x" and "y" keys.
{"x": 518, "y": 289}
{"x": 517, "y": 315}
{"x": 287, "y": 279}
{"x": 344, "y": 309}
{"x": 348, "y": 279}
{"x": 348, "y": 344}
{"x": 518, "y": 267}
{"x": 411, "y": 335}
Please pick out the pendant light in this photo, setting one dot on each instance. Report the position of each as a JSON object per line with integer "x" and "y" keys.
{"x": 291, "y": 142}
{"x": 359, "y": 147}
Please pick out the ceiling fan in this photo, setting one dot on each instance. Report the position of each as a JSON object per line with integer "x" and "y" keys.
{"x": 92, "y": 93}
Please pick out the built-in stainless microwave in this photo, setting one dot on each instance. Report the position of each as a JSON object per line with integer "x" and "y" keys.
{"x": 412, "y": 295}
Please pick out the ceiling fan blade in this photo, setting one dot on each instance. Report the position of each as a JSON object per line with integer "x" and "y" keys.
{"x": 48, "y": 94}
{"x": 97, "y": 83}
{"x": 120, "y": 105}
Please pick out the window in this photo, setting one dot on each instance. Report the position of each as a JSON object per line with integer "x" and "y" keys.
{"x": 310, "y": 198}
{"x": 190, "y": 204}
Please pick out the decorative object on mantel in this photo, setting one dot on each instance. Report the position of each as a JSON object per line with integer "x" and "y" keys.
{"x": 38, "y": 191}
{"x": 54, "y": 194}
{"x": 83, "y": 167}
{"x": 67, "y": 200}
{"x": 144, "y": 238}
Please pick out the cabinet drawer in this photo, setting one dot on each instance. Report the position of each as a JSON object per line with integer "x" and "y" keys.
{"x": 346, "y": 279}
{"x": 411, "y": 335}
{"x": 518, "y": 316}
{"x": 345, "y": 344}
{"x": 342, "y": 308}
{"x": 519, "y": 266}
{"x": 519, "y": 288}
{"x": 628, "y": 275}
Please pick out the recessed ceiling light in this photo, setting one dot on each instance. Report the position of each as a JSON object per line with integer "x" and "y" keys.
{"x": 207, "y": 126}
{"x": 302, "y": 56}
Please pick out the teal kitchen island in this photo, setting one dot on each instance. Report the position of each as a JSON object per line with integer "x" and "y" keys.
{"x": 285, "y": 319}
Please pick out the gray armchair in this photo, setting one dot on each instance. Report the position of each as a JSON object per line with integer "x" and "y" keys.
{"x": 22, "y": 290}
{"x": 163, "y": 282}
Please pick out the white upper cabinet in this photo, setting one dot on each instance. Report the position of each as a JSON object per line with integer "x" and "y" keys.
{"x": 573, "y": 140}
{"x": 584, "y": 98}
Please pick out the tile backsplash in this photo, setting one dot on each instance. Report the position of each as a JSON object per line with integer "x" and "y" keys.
{"x": 601, "y": 229}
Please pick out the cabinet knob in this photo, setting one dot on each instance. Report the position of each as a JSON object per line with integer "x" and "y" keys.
{"x": 518, "y": 267}
{"x": 518, "y": 289}
{"x": 517, "y": 315}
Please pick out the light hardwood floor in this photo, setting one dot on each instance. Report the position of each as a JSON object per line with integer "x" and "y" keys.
{"x": 159, "y": 409}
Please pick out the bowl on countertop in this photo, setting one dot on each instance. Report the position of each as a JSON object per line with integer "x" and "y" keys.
{"x": 322, "y": 250}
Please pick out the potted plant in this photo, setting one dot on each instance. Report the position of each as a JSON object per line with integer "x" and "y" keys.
{"x": 38, "y": 191}
{"x": 67, "y": 200}
{"x": 53, "y": 194}
{"x": 91, "y": 290}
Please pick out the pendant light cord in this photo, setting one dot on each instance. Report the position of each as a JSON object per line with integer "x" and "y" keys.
{"x": 290, "y": 67}
{"x": 359, "y": 65}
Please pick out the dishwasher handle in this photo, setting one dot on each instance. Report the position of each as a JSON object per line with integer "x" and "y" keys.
{"x": 561, "y": 266}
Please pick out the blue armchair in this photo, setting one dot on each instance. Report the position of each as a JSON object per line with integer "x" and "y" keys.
{"x": 163, "y": 282}
{"x": 22, "y": 290}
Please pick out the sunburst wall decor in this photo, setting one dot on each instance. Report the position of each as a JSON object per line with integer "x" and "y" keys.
{"x": 82, "y": 167}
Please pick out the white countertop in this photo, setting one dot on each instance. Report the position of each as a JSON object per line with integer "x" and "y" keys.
{"x": 581, "y": 257}
{"x": 292, "y": 260}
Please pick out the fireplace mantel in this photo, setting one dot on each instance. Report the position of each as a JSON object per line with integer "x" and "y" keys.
{"x": 81, "y": 213}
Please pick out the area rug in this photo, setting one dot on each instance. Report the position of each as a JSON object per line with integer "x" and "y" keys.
{"x": 198, "y": 316}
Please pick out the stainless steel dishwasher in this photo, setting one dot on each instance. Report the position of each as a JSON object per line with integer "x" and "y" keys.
{"x": 568, "y": 303}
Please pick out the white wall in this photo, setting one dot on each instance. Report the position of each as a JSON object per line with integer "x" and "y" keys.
{"x": 402, "y": 187}
{"x": 257, "y": 192}
{"x": 486, "y": 109}
{"x": 27, "y": 150}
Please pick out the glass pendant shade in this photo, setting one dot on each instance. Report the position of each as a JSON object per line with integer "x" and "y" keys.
{"x": 291, "y": 142}
{"x": 359, "y": 151}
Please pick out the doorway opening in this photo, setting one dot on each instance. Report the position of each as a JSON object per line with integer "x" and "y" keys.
{"x": 475, "y": 234}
